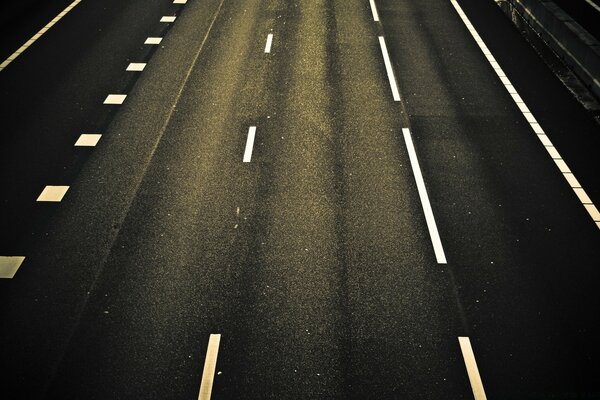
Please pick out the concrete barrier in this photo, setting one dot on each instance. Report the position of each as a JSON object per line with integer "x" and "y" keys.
{"x": 579, "y": 49}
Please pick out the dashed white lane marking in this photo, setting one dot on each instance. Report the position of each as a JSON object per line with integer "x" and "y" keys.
{"x": 53, "y": 194}
{"x": 210, "y": 365}
{"x": 168, "y": 18}
{"x": 374, "y": 11}
{"x": 429, "y": 218}
{"x": 472, "y": 370}
{"x": 568, "y": 175}
{"x": 88, "y": 140}
{"x": 137, "y": 67}
{"x": 388, "y": 68}
{"x": 269, "y": 43}
{"x": 115, "y": 99}
{"x": 9, "y": 266}
{"x": 153, "y": 40}
{"x": 38, "y": 35}
{"x": 249, "y": 144}
{"x": 179, "y": 1}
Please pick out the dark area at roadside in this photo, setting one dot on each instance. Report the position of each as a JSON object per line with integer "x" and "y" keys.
{"x": 583, "y": 13}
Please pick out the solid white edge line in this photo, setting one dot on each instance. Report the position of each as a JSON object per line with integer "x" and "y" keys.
{"x": 374, "y": 11}
{"x": 472, "y": 370}
{"x": 249, "y": 144}
{"x": 429, "y": 218}
{"x": 592, "y": 4}
{"x": 388, "y": 68}
{"x": 269, "y": 43}
{"x": 535, "y": 126}
{"x": 39, "y": 34}
{"x": 210, "y": 364}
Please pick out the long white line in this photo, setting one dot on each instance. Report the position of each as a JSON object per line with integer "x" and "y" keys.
{"x": 38, "y": 35}
{"x": 591, "y": 3}
{"x": 429, "y": 218}
{"x": 535, "y": 126}
{"x": 472, "y": 370}
{"x": 388, "y": 68}
{"x": 249, "y": 144}
{"x": 269, "y": 43}
{"x": 210, "y": 365}
{"x": 374, "y": 11}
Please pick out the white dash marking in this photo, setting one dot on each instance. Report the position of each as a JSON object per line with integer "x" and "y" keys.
{"x": 429, "y": 218}
{"x": 374, "y": 11}
{"x": 39, "y": 34}
{"x": 210, "y": 365}
{"x": 115, "y": 99}
{"x": 472, "y": 370}
{"x": 583, "y": 197}
{"x": 388, "y": 68}
{"x": 53, "y": 194}
{"x": 179, "y": 1}
{"x": 136, "y": 67}
{"x": 594, "y": 213}
{"x": 572, "y": 180}
{"x": 10, "y": 265}
{"x": 168, "y": 18}
{"x": 153, "y": 40}
{"x": 269, "y": 43}
{"x": 535, "y": 126}
{"x": 88, "y": 140}
{"x": 249, "y": 144}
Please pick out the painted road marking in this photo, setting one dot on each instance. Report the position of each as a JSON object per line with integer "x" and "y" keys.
{"x": 429, "y": 218}
{"x": 388, "y": 68}
{"x": 38, "y": 35}
{"x": 269, "y": 43}
{"x": 374, "y": 11}
{"x": 153, "y": 40}
{"x": 88, "y": 140}
{"x": 179, "y": 1}
{"x": 210, "y": 364}
{"x": 9, "y": 266}
{"x": 168, "y": 18}
{"x": 472, "y": 370}
{"x": 554, "y": 154}
{"x": 137, "y": 67}
{"x": 115, "y": 99}
{"x": 53, "y": 194}
{"x": 249, "y": 144}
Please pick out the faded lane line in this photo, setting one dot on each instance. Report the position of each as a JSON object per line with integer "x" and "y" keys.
{"x": 388, "y": 68}
{"x": 472, "y": 370}
{"x": 535, "y": 126}
{"x": 9, "y": 266}
{"x": 53, "y": 194}
{"x": 269, "y": 43}
{"x": 38, "y": 35}
{"x": 429, "y": 218}
{"x": 374, "y": 11}
{"x": 249, "y": 144}
{"x": 210, "y": 365}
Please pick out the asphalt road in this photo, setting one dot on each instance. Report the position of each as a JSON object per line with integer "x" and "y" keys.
{"x": 311, "y": 250}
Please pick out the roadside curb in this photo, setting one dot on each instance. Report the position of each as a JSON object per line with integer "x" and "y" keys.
{"x": 578, "y": 49}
